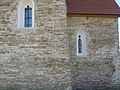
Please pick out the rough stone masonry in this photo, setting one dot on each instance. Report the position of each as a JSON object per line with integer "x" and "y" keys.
{"x": 44, "y": 58}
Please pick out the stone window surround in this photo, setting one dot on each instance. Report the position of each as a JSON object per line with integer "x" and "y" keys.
{"x": 83, "y": 38}
{"x": 21, "y": 13}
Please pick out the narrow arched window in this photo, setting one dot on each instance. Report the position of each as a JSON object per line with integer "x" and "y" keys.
{"x": 79, "y": 44}
{"x": 28, "y": 17}
{"x": 26, "y": 14}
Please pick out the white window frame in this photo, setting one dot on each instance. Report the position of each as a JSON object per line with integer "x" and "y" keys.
{"x": 83, "y": 38}
{"x": 21, "y": 13}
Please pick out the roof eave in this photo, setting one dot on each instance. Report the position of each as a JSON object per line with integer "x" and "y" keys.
{"x": 93, "y": 14}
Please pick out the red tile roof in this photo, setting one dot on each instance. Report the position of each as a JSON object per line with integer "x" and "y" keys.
{"x": 93, "y": 7}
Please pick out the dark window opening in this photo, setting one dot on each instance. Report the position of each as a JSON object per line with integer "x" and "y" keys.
{"x": 79, "y": 44}
{"x": 28, "y": 17}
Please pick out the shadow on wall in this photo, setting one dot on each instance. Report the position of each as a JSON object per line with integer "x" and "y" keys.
{"x": 119, "y": 33}
{"x": 82, "y": 88}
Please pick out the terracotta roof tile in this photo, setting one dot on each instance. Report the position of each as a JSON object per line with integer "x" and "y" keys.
{"x": 93, "y": 7}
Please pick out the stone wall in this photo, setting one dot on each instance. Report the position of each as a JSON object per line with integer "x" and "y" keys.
{"x": 94, "y": 71}
{"x": 34, "y": 58}
{"x": 44, "y": 58}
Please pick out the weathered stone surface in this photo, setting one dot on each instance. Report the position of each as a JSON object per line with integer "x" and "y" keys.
{"x": 38, "y": 58}
{"x": 44, "y": 58}
{"x": 97, "y": 68}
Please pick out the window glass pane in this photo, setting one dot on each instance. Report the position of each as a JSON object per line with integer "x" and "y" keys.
{"x": 30, "y": 25}
{"x": 30, "y": 12}
{"x": 30, "y": 21}
{"x": 26, "y": 13}
{"x": 26, "y": 23}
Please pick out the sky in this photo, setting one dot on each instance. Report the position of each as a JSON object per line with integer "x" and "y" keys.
{"x": 118, "y": 2}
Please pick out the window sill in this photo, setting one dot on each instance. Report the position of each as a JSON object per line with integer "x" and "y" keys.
{"x": 82, "y": 55}
{"x": 27, "y": 28}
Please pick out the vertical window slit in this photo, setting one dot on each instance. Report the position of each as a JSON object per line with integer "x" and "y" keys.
{"x": 28, "y": 17}
{"x": 79, "y": 44}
